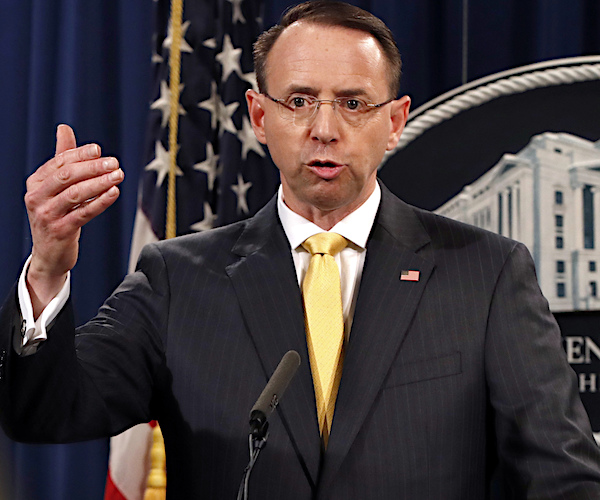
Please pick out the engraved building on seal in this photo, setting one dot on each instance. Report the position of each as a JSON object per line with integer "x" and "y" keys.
{"x": 548, "y": 197}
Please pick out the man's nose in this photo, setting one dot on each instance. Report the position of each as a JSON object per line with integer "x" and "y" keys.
{"x": 325, "y": 123}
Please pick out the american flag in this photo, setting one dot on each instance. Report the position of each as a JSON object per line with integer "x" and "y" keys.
{"x": 223, "y": 174}
{"x": 409, "y": 275}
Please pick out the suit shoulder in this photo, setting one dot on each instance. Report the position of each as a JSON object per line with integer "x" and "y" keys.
{"x": 212, "y": 246}
{"x": 452, "y": 233}
{"x": 425, "y": 228}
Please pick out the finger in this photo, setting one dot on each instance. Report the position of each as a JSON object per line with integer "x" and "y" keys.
{"x": 75, "y": 173}
{"x": 41, "y": 187}
{"x": 76, "y": 155}
{"x": 67, "y": 227}
{"x": 91, "y": 208}
{"x": 81, "y": 193}
{"x": 69, "y": 156}
{"x": 65, "y": 138}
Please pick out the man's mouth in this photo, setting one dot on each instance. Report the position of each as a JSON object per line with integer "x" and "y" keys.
{"x": 325, "y": 169}
{"x": 323, "y": 163}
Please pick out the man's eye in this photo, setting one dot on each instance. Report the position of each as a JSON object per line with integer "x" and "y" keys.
{"x": 298, "y": 102}
{"x": 353, "y": 104}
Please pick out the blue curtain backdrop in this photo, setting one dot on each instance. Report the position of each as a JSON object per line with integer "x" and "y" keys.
{"x": 87, "y": 63}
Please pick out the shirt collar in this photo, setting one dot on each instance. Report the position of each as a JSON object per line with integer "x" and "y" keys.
{"x": 355, "y": 227}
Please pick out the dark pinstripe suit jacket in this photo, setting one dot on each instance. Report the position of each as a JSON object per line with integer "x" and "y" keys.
{"x": 445, "y": 380}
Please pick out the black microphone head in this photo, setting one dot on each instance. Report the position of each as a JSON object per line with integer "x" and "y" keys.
{"x": 273, "y": 391}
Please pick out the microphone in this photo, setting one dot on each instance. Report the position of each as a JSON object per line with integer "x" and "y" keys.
{"x": 264, "y": 406}
{"x": 272, "y": 393}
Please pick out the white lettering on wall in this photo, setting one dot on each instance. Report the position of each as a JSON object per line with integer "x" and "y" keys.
{"x": 580, "y": 350}
{"x": 587, "y": 382}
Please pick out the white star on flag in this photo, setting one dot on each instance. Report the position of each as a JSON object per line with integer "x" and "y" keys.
{"x": 209, "y": 166}
{"x": 241, "y": 188}
{"x": 168, "y": 41}
{"x": 220, "y": 113}
{"x": 225, "y": 112}
{"x": 156, "y": 57}
{"x": 212, "y": 105}
{"x": 207, "y": 222}
{"x": 237, "y": 14}
{"x": 229, "y": 58}
{"x": 210, "y": 43}
{"x": 251, "y": 79}
{"x": 163, "y": 103}
{"x": 160, "y": 164}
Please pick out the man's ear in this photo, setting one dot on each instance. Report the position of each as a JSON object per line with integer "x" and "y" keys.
{"x": 257, "y": 114}
{"x": 399, "y": 115}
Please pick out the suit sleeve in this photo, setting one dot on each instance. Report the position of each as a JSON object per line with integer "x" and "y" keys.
{"x": 545, "y": 444}
{"x": 95, "y": 381}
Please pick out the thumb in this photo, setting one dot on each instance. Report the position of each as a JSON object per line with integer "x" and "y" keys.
{"x": 65, "y": 138}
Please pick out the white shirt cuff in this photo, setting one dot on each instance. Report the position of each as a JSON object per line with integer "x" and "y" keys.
{"x": 33, "y": 332}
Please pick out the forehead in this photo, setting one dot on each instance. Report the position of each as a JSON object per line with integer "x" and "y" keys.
{"x": 326, "y": 58}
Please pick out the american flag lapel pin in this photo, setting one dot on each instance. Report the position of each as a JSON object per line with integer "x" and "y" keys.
{"x": 409, "y": 275}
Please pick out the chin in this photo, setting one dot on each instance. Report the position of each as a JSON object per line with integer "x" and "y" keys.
{"x": 329, "y": 202}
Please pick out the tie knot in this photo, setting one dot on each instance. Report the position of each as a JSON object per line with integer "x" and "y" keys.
{"x": 325, "y": 243}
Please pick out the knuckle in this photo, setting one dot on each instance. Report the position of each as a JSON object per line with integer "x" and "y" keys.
{"x": 84, "y": 213}
{"x": 81, "y": 214}
{"x": 59, "y": 159}
{"x": 87, "y": 152}
{"x": 93, "y": 168}
{"x": 32, "y": 199}
{"x": 63, "y": 175}
{"x": 33, "y": 179}
{"x": 98, "y": 167}
{"x": 43, "y": 213}
{"x": 29, "y": 200}
{"x": 110, "y": 179}
{"x": 72, "y": 194}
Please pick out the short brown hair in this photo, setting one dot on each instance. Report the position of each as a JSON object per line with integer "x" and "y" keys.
{"x": 330, "y": 13}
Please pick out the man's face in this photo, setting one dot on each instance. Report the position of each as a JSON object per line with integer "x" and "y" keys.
{"x": 328, "y": 166}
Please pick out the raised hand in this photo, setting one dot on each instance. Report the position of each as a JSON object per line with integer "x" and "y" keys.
{"x": 62, "y": 195}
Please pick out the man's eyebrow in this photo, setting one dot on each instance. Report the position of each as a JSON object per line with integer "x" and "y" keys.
{"x": 302, "y": 89}
{"x": 351, "y": 92}
{"x": 305, "y": 89}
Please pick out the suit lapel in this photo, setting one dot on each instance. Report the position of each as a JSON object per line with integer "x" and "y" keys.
{"x": 267, "y": 289}
{"x": 385, "y": 307}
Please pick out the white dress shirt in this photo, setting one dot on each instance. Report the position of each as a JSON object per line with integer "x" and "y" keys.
{"x": 355, "y": 227}
{"x": 34, "y": 331}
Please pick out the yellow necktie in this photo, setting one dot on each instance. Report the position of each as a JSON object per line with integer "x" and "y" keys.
{"x": 322, "y": 295}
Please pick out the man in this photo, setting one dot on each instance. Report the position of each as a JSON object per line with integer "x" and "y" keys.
{"x": 453, "y": 371}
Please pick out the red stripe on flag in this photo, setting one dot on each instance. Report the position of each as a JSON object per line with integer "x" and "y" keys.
{"x": 129, "y": 463}
{"x": 111, "y": 492}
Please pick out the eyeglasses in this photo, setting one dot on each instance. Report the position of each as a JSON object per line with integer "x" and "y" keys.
{"x": 302, "y": 108}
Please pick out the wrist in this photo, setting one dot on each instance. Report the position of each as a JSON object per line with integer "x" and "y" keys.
{"x": 42, "y": 286}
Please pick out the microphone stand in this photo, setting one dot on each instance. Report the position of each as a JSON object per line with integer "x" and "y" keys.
{"x": 257, "y": 440}
{"x": 264, "y": 406}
